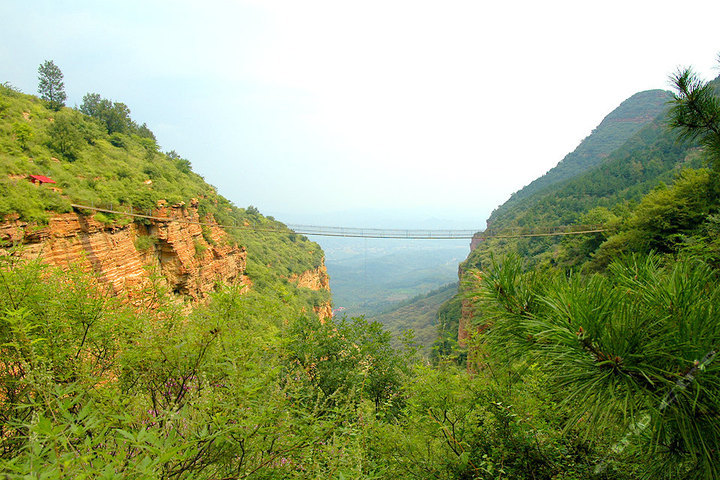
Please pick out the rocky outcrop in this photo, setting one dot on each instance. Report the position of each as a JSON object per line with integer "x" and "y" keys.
{"x": 316, "y": 279}
{"x": 476, "y": 241}
{"x": 188, "y": 258}
{"x": 324, "y": 311}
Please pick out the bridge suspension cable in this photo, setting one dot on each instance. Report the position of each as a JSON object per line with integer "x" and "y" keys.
{"x": 354, "y": 232}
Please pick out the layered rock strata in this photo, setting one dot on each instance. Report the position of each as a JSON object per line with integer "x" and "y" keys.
{"x": 190, "y": 259}
{"x": 316, "y": 279}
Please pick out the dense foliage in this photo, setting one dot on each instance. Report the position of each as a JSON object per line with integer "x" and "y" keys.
{"x": 248, "y": 387}
{"x": 634, "y": 347}
{"x": 588, "y": 358}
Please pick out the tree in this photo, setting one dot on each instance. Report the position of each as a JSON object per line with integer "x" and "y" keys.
{"x": 632, "y": 349}
{"x": 696, "y": 113}
{"x": 115, "y": 115}
{"x": 22, "y": 133}
{"x": 50, "y": 85}
{"x": 91, "y": 105}
{"x": 65, "y": 138}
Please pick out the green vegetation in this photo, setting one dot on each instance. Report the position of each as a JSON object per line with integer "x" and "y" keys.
{"x": 696, "y": 113}
{"x": 418, "y": 314}
{"x": 51, "y": 86}
{"x": 115, "y": 116}
{"x": 591, "y": 357}
{"x": 248, "y": 387}
{"x": 103, "y": 158}
{"x": 634, "y": 348}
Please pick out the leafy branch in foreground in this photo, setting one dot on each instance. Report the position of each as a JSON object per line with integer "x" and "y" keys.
{"x": 695, "y": 113}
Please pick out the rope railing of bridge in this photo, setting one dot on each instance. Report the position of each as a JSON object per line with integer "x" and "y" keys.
{"x": 355, "y": 232}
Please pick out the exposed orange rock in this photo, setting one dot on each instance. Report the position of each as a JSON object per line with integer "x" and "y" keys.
{"x": 324, "y": 311}
{"x": 316, "y": 279}
{"x": 188, "y": 260}
{"x": 477, "y": 239}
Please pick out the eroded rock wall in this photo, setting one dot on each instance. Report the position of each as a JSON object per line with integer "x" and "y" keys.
{"x": 189, "y": 258}
{"x": 316, "y": 279}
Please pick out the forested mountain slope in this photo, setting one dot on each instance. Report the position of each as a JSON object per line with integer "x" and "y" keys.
{"x": 418, "y": 314}
{"x": 615, "y": 129}
{"x": 603, "y": 193}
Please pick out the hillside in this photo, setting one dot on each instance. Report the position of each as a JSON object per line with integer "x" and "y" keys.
{"x": 600, "y": 194}
{"x": 110, "y": 161}
{"x": 615, "y": 129}
{"x": 418, "y": 314}
{"x": 584, "y": 189}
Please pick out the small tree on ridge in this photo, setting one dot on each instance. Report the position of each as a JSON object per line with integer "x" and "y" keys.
{"x": 50, "y": 85}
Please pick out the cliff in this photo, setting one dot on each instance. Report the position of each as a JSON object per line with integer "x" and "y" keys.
{"x": 316, "y": 279}
{"x": 189, "y": 259}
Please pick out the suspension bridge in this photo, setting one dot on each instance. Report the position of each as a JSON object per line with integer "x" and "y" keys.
{"x": 355, "y": 232}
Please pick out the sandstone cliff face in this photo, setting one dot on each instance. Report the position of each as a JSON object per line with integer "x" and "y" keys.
{"x": 476, "y": 241}
{"x": 317, "y": 279}
{"x": 125, "y": 257}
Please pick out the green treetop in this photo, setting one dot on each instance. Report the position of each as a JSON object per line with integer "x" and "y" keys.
{"x": 50, "y": 85}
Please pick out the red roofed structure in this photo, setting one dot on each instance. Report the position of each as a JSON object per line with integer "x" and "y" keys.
{"x": 40, "y": 179}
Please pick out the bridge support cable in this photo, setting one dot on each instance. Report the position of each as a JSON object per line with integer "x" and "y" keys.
{"x": 353, "y": 232}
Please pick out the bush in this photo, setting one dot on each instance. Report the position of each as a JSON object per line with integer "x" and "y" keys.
{"x": 118, "y": 140}
{"x": 200, "y": 249}
{"x": 143, "y": 243}
{"x": 65, "y": 137}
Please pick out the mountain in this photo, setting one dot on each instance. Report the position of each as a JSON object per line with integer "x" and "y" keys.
{"x": 616, "y": 128}
{"x": 630, "y": 153}
{"x": 183, "y": 234}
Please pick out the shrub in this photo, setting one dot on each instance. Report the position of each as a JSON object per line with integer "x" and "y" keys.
{"x": 143, "y": 243}
{"x": 118, "y": 140}
{"x": 22, "y": 133}
{"x": 200, "y": 249}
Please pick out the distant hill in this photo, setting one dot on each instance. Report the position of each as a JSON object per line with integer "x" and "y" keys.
{"x": 616, "y": 128}
{"x": 419, "y": 314}
{"x": 368, "y": 280}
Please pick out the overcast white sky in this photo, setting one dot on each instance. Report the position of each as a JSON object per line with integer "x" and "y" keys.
{"x": 301, "y": 107}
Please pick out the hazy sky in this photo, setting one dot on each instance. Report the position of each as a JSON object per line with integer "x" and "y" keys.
{"x": 302, "y": 107}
